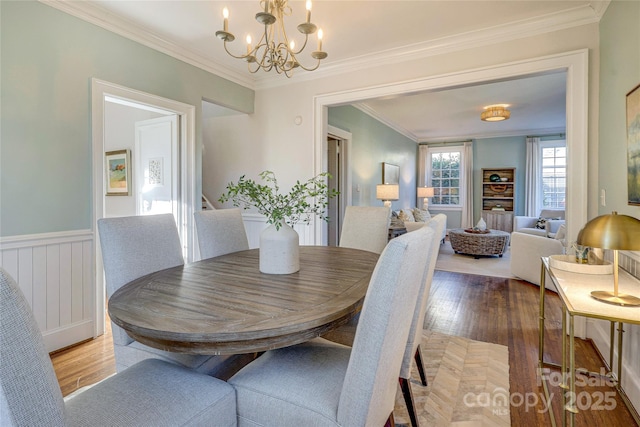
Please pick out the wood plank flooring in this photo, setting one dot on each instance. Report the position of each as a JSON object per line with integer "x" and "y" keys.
{"x": 501, "y": 311}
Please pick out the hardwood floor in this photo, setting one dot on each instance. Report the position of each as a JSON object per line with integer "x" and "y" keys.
{"x": 501, "y": 311}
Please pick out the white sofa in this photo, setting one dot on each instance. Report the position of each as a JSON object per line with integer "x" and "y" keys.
{"x": 527, "y": 224}
{"x": 412, "y": 219}
{"x": 526, "y": 251}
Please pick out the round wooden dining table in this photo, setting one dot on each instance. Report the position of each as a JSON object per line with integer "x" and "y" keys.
{"x": 225, "y": 305}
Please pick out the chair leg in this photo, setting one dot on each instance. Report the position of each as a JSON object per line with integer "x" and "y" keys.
{"x": 408, "y": 400}
{"x": 390, "y": 421}
{"x": 420, "y": 365}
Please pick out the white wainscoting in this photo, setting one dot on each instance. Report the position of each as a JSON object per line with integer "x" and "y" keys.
{"x": 55, "y": 272}
{"x": 255, "y": 223}
{"x": 598, "y": 330}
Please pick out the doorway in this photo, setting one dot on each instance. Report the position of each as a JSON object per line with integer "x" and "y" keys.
{"x": 338, "y": 151}
{"x": 172, "y": 166}
{"x": 574, "y": 63}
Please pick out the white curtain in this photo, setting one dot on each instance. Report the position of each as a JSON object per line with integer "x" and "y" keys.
{"x": 467, "y": 220}
{"x": 532, "y": 180}
{"x": 423, "y": 155}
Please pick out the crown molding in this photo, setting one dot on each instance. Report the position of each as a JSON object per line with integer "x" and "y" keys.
{"x": 578, "y": 16}
{"x": 96, "y": 15}
{"x": 505, "y": 134}
{"x": 581, "y": 15}
{"x": 393, "y": 125}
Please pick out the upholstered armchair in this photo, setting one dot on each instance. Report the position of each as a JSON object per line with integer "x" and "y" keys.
{"x": 526, "y": 251}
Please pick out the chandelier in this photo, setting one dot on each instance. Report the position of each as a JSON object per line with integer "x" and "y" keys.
{"x": 495, "y": 113}
{"x": 274, "y": 50}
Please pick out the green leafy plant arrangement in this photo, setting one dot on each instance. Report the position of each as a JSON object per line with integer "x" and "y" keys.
{"x": 304, "y": 200}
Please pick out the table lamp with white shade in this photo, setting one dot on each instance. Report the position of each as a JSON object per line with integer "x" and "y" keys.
{"x": 425, "y": 193}
{"x": 616, "y": 232}
{"x": 387, "y": 192}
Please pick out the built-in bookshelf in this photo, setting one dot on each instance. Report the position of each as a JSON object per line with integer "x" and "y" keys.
{"x": 498, "y": 197}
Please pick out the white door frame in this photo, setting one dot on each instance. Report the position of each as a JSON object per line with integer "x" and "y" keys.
{"x": 574, "y": 63}
{"x": 187, "y": 176}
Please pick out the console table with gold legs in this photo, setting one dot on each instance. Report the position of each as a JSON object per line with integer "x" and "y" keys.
{"x": 574, "y": 290}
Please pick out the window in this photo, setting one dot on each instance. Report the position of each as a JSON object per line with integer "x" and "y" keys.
{"x": 554, "y": 173}
{"x": 444, "y": 172}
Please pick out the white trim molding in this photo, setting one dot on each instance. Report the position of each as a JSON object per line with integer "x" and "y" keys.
{"x": 55, "y": 271}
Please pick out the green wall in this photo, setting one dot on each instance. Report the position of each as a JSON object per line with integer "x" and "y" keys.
{"x": 619, "y": 73}
{"x": 48, "y": 60}
{"x": 374, "y": 143}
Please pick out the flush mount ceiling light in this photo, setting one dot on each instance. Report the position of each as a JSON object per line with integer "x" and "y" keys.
{"x": 495, "y": 113}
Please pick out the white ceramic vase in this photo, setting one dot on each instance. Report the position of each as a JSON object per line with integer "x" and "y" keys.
{"x": 279, "y": 250}
{"x": 482, "y": 226}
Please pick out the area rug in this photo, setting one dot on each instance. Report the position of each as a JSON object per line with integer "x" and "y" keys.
{"x": 493, "y": 266}
{"x": 468, "y": 384}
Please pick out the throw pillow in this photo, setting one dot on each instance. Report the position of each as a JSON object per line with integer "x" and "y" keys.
{"x": 541, "y": 223}
{"x": 421, "y": 215}
{"x": 406, "y": 215}
{"x": 561, "y": 233}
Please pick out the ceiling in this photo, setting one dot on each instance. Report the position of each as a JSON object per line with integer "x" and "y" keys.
{"x": 362, "y": 33}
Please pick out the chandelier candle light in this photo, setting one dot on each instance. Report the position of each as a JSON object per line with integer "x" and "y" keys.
{"x": 274, "y": 50}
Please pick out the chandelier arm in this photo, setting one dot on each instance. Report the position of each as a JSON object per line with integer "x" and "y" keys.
{"x": 233, "y": 55}
{"x": 274, "y": 50}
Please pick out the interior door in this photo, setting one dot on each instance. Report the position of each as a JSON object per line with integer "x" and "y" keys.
{"x": 335, "y": 208}
{"x": 156, "y": 172}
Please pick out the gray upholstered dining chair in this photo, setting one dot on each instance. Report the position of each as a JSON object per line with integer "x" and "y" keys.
{"x": 220, "y": 232}
{"x": 345, "y": 334}
{"x": 366, "y": 228}
{"x": 321, "y": 383}
{"x": 133, "y": 247}
{"x": 151, "y": 393}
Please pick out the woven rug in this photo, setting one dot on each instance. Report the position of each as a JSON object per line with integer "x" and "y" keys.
{"x": 468, "y": 384}
{"x": 483, "y": 266}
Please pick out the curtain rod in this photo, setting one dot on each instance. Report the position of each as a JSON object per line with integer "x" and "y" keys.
{"x": 549, "y": 134}
{"x": 445, "y": 142}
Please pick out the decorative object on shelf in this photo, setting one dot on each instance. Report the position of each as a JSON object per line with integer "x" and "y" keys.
{"x": 278, "y": 249}
{"x": 425, "y": 193}
{"x": 582, "y": 253}
{"x": 387, "y": 193}
{"x": 504, "y": 179}
{"x": 275, "y": 50}
{"x": 481, "y": 225}
{"x": 495, "y": 113}
{"x": 494, "y": 177}
{"x": 499, "y": 188}
{"x": 616, "y": 232}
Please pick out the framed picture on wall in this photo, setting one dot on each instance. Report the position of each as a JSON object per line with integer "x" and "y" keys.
{"x": 390, "y": 173}
{"x": 633, "y": 146}
{"x": 118, "y": 169}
